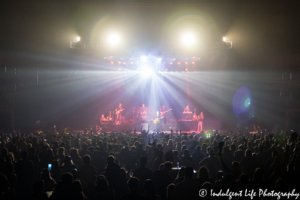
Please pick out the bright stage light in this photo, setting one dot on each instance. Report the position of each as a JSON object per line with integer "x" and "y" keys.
{"x": 193, "y": 63}
{"x": 224, "y": 39}
{"x": 131, "y": 63}
{"x": 171, "y": 63}
{"x": 186, "y": 63}
{"x": 144, "y": 58}
{"x": 159, "y": 59}
{"x": 114, "y": 39}
{"x": 188, "y": 39}
{"x": 78, "y": 39}
{"x": 124, "y": 63}
{"x": 147, "y": 71}
{"x": 186, "y": 69}
{"x": 178, "y": 63}
{"x": 119, "y": 62}
{"x": 112, "y": 62}
{"x": 166, "y": 69}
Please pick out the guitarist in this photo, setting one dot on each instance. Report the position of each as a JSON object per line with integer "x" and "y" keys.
{"x": 163, "y": 112}
{"x": 119, "y": 111}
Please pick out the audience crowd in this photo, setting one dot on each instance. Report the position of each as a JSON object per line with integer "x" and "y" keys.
{"x": 156, "y": 166}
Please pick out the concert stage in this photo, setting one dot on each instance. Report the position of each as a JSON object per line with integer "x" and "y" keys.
{"x": 186, "y": 126}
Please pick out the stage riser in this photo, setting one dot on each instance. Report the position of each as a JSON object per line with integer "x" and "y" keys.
{"x": 181, "y": 125}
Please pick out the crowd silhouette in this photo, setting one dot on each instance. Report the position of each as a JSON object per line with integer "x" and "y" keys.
{"x": 156, "y": 166}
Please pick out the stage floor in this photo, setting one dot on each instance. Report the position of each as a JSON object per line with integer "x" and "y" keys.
{"x": 138, "y": 132}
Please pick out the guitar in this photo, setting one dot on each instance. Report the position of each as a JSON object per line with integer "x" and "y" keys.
{"x": 119, "y": 111}
{"x": 164, "y": 112}
{"x": 156, "y": 120}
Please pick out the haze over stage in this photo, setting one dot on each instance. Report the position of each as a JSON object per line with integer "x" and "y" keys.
{"x": 227, "y": 43}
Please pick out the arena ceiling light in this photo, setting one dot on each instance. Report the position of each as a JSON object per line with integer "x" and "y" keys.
{"x": 114, "y": 39}
{"x": 188, "y": 39}
{"x": 229, "y": 43}
{"x": 147, "y": 71}
{"x": 144, "y": 58}
{"x": 78, "y": 39}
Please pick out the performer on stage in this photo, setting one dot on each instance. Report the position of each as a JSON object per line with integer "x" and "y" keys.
{"x": 186, "y": 109}
{"x": 119, "y": 111}
{"x": 162, "y": 109}
{"x": 200, "y": 122}
{"x": 163, "y": 114}
{"x": 102, "y": 119}
{"x": 187, "y": 114}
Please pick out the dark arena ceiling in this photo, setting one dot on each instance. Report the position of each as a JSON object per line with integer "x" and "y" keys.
{"x": 265, "y": 34}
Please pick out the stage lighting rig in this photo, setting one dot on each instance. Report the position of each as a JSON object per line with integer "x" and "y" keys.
{"x": 114, "y": 39}
{"x": 144, "y": 58}
{"x": 77, "y": 44}
{"x": 228, "y": 44}
{"x": 188, "y": 39}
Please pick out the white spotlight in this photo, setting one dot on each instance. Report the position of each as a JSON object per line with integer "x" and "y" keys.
{"x": 224, "y": 39}
{"x": 147, "y": 71}
{"x": 77, "y": 39}
{"x": 144, "y": 58}
{"x": 114, "y": 39}
{"x": 188, "y": 39}
{"x": 159, "y": 59}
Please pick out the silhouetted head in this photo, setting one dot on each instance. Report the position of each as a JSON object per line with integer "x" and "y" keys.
{"x": 280, "y": 185}
{"x": 87, "y": 159}
{"x": 170, "y": 189}
{"x": 203, "y": 173}
{"x": 61, "y": 151}
{"x": 45, "y": 174}
{"x": 38, "y": 186}
{"x": 188, "y": 173}
{"x": 67, "y": 179}
{"x": 67, "y": 160}
{"x": 168, "y": 166}
{"x": 101, "y": 182}
{"x": 181, "y": 172}
{"x": 175, "y": 153}
{"x": 110, "y": 160}
{"x": 244, "y": 179}
{"x": 133, "y": 184}
{"x": 186, "y": 153}
{"x": 248, "y": 153}
{"x": 258, "y": 175}
{"x": 235, "y": 166}
{"x": 76, "y": 186}
{"x": 149, "y": 187}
